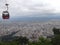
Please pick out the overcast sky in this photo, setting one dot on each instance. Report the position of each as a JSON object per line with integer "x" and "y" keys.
{"x": 31, "y": 7}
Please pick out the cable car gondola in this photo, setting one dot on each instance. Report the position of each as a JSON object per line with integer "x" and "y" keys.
{"x": 5, "y": 14}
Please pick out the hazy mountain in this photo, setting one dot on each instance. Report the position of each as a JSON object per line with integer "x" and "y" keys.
{"x": 43, "y": 19}
{"x": 30, "y": 19}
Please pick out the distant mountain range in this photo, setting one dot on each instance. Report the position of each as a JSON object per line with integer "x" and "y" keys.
{"x": 32, "y": 19}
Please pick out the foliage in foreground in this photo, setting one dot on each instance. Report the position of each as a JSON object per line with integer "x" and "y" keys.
{"x": 56, "y": 39}
{"x": 41, "y": 41}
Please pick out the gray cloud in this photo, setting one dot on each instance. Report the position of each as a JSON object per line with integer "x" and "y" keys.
{"x": 26, "y": 7}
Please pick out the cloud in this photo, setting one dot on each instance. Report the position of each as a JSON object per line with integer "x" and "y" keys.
{"x": 31, "y": 7}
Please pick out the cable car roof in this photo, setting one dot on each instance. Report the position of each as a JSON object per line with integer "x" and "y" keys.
{"x": 5, "y": 14}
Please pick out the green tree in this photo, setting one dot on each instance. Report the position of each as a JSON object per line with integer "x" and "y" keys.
{"x": 56, "y": 39}
{"x": 23, "y": 40}
{"x": 41, "y": 41}
{"x": 44, "y": 41}
{"x": 56, "y": 31}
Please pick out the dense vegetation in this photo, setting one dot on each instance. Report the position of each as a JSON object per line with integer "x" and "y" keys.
{"x": 56, "y": 39}
{"x": 24, "y": 41}
{"x": 41, "y": 41}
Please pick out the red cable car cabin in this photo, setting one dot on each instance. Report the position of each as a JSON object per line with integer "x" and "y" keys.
{"x": 5, "y": 15}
